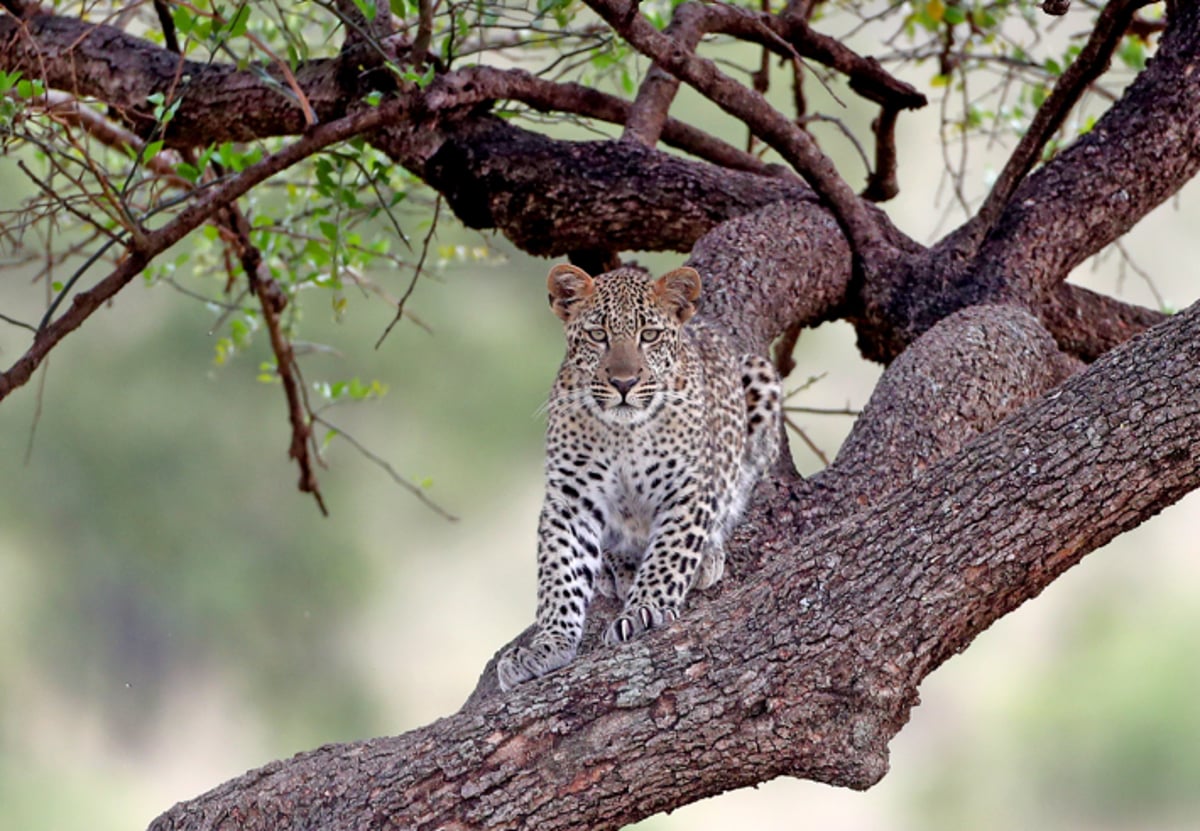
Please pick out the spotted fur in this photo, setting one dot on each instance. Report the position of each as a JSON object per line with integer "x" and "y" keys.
{"x": 658, "y": 432}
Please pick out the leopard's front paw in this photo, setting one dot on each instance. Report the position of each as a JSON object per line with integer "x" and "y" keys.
{"x": 520, "y": 663}
{"x": 638, "y": 619}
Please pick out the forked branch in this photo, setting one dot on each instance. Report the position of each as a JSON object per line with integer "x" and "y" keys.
{"x": 863, "y": 229}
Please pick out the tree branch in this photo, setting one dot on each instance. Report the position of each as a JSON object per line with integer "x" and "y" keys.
{"x": 139, "y": 253}
{"x": 1140, "y": 152}
{"x": 1089, "y": 65}
{"x": 787, "y": 35}
{"x": 827, "y": 673}
{"x": 1087, "y": 324}
{"x": 552, "y": 198}
{"x": 864, "y": 230}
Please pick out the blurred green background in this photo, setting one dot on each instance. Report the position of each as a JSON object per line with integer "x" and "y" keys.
{"x": 173, "y": 612}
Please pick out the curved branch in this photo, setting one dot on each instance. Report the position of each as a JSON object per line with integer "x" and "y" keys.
{"x": 846, "y": 622}
{"x": 556, "y": 197}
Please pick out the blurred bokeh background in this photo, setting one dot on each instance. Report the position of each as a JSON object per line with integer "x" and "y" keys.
{"x": 173, "y": 612}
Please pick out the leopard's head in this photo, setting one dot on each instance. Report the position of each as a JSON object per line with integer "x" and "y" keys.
{"x": 622, "y": 332}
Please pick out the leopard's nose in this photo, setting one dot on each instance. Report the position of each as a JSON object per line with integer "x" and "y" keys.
{"x": 623, "y": 385}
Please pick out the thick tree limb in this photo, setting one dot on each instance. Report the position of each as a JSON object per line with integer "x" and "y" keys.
{"x": 221, "y": 103}
{"x": 809, "y": 668}
{"x": 553, "y": 197}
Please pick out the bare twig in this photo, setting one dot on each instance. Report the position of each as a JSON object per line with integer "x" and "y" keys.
{"x": 829, "y": 411}
{"x": 416, "y": 490}
{"x": 809, "y": 443}
{"x": 412, "y": 284}
{"x": 14, "y": 322}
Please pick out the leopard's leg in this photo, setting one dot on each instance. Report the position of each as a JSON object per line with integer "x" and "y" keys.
{"x": 666, "y": 573}
{"x": 568, "y": 566}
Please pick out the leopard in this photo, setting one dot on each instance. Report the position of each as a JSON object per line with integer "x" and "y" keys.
{"x": 658, "y": 430}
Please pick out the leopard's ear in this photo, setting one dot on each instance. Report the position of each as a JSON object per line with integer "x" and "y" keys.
{"x": 568, "y": 285}
{"x": 678, "y": 290}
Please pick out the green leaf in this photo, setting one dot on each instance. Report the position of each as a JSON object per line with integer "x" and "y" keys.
{"x": 953, "y": 15}
{"x": 29, "y": 89}
{"x": 237, "y": 26}
{"x": 367, "y": 8}
{"x": 184, "y": 20}
{"x": 9, "y": 79}
{"x": 1133, "y": 53}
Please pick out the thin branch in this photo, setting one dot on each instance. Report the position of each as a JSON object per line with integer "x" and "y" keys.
{"x": 273, "y": 301}
{"x": 1089, "y": 65}
{"x": 828, "y": 411}
{"x": 167, "y": 23}
{"x": 421, "y": 43}
{"x": 412, "y": 284}
{"x": 158, "y": 240}
{"x": 882, "y": 184}
{"x": 809, "y": 443}
{"x": 20, "y": 323}
{"x": 415, "y": 490}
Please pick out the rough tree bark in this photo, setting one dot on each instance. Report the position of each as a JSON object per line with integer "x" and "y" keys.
{"x": 1021, "y": 422}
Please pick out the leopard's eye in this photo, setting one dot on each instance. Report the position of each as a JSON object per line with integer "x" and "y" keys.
{"x": 651, "y": 335}
{"x": 598, "y": 335}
